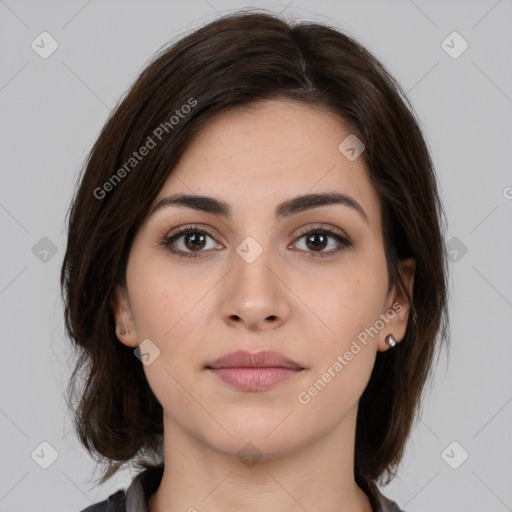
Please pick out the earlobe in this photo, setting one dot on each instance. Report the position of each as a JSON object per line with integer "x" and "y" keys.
{"x": 123, "y": 317}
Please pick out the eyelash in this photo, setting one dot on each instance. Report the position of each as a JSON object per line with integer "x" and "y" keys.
{"x": 344, "y": 243}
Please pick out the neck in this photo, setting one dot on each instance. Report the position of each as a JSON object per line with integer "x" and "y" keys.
{"x": 318, "y": 476}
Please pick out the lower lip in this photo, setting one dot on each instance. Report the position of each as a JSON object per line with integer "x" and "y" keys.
{"x": 254, "y": 379}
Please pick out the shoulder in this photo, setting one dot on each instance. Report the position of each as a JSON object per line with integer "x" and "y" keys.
{"x": 388, "y": 505}
{"x": 379, "y": 502}
{"x": 114, "y": 503}
{"x": 133, "y": 499}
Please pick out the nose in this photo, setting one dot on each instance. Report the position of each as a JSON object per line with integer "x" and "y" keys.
{"x": 255, "y": 296}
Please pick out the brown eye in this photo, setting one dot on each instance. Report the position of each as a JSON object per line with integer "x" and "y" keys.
{"x": 194, "y": 241}
{"x": 317, "y": 239}
{"x": 188, "y": 242}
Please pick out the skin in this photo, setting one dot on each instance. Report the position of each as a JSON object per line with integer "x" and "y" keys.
{"x": 195, "y": 310}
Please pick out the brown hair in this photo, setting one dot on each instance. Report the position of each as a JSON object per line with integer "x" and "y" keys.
{"x": 233, "y": 61}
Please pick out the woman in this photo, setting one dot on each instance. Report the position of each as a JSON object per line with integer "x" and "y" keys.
{"x": 255, "y": 275}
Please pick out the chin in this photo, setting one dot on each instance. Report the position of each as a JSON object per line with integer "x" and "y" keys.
{"x": 265, "y": 440}
{"x": 252, "y": 449}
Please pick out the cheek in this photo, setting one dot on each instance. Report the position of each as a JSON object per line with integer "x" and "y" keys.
{"x": 344, "y": 358}
{"x": 161, "y": 294}
{"x": 345, "y": 355}
{"x": 347, "y": 301}
{"x": 336, "y": 387}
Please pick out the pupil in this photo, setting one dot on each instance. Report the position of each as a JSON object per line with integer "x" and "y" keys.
{"x": 194, "y": 238}
{"x": 316, "y": 236}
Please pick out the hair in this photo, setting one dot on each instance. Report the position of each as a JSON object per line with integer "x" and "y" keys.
{"x": 234, "y": 61}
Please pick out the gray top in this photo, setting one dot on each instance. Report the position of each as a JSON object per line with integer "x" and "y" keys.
{"x": 134, "y": 499}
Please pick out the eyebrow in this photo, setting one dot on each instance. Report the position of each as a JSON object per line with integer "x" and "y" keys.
{"x": 285, "y": 209}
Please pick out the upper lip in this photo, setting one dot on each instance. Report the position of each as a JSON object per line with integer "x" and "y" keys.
{"x": 245, "y": 359}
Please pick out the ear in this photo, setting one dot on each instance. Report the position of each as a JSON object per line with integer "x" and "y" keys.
{"x": 397, "y": 308}
{"x": 123, "y": 316}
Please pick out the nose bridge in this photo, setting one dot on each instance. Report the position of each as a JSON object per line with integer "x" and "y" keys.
{"x": 254, "y": 294}
{"x": 251, "y": 268}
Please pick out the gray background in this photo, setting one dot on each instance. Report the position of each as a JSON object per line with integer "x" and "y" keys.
{"x": 52, "y": 110}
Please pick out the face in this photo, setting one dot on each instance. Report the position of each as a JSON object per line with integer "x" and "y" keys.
{"x": 310, "y": 283}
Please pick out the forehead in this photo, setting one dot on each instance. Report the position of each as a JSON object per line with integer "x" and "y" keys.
{"x": 264, "y": 153}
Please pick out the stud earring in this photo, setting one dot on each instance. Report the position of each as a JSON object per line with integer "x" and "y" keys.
{"x": 390, "y": 340}
{"x": 123, "y": 332}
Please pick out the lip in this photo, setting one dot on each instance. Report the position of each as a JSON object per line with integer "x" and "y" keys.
{"x": 254, "y": 371}
{"x": 245, "y": 359}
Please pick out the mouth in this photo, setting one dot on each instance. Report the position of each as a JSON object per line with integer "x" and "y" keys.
{"x": 254, "y": 371}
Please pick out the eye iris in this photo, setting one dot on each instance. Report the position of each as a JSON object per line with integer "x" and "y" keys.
{"x": 316, "y": 236}
{"x": 197, "y": 240}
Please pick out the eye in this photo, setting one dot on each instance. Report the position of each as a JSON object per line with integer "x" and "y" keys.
{"x": 188, "y": 241}
{"x": 317, "y": 239}
{"x": 191, "y": 241}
